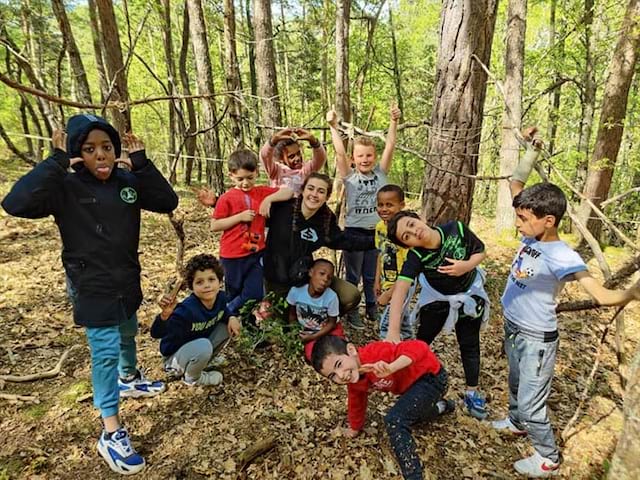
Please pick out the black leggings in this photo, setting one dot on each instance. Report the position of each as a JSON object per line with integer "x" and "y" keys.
{"x": 433, "y": 317}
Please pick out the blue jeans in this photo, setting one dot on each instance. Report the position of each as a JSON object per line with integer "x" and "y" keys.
{"x": 243, "y": 280}
{"x": 417, "y": 404}
{"x": 531, "y": 358}
{"x": 362, "y": 264}
{"x": 113, "y": 353}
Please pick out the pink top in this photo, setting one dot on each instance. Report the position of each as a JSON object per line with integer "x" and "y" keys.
{"x": 280, "y": 175}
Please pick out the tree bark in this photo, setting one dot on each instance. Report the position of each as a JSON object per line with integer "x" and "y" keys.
{"x": 265, "y": 63}
{"x": 514, "y": 73}
{"x": 343, "y": 98}
{"x": 397, "y": 82}
{"x": 558, "y": 56}
{"x": 83, "y": 93}
{"x": 466, "y": 28}
{"x": 614, "y": 107}
{"x": 96, "y": 35}
{"x": 204, "y": 77}
{"x": 189, "y": 138}
{"x": 116, "y": 75}
{"x": 232, "y": 73}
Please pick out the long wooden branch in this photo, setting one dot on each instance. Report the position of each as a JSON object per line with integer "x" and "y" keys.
{"x": 254, "y": 451}
{"x": 13, "y": 397}
{"x": 39, "y": 376}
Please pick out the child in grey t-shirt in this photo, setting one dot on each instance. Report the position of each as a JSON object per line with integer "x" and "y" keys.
{"x": 361, "y": 187}
{"x": 542, "y": 265}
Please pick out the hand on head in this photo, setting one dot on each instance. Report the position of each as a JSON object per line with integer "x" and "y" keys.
{"x": 132, "y": 143}
{"x": 305, "y": 135}
{"x": 284, "y": 134}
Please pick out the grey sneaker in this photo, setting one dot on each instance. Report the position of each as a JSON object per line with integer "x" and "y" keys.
{"x": 354, "y": 320}
{"x": 206, "y": 378}
{"x": 536, "y": 466}
{"x": 506, "y": 425}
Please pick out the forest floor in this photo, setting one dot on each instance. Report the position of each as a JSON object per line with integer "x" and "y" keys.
{"x": 194, "y": 433}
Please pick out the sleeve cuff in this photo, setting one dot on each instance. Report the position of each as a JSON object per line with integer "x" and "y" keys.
{"x": 139, "y": 159}
{"x": 61, "y": 157}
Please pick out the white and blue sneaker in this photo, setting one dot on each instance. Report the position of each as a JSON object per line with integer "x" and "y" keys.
{"x": 476, "y": 404}
{"x": 138, "y": 386}
{"x": 116, "y": 449}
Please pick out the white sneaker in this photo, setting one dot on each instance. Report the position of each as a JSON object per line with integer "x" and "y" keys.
{"x": 206, "y": 378}
{"x": 536, "y": 466}
{"x": 119, "y": 454}
{"x": 506, "y": 425}
{"x": 139, "y": 386}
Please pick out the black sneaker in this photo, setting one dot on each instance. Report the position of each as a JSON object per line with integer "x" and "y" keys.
{"x": 372, "y": 312}
{"x": 354, "y": 320}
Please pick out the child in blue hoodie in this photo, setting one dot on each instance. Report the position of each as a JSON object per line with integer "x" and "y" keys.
{"x": 193, "y": 331}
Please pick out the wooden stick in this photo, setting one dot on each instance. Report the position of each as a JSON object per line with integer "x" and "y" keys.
{"x": 254, "y": 451}
{"x": 39, "y": 376}
{"x": 19, "y": 398}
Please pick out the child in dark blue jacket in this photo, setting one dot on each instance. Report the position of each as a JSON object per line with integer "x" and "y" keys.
{"x": 97, "y": 210}
{"x": 197, "y": 328}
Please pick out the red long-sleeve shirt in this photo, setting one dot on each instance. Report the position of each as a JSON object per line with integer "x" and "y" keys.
{"x": 423, "y": 361}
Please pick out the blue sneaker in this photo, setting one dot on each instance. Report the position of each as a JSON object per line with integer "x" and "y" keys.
{"x": 476, "y": 404}
{"x": 138, "y": 386}
{"x": 116, "y": 449}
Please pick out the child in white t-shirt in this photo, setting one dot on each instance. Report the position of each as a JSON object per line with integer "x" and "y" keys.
{"x": 315, "y": 306}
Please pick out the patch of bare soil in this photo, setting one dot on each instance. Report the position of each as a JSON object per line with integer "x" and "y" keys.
{"x": 194, "y": 433}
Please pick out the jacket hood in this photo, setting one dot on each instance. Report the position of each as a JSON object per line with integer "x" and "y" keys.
{"x": 78, "y": 128}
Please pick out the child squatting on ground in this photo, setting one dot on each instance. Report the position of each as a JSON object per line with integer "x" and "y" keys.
{"x": 542, "y": 264}
{"x": 240, "y": 213}
{"x": 282, "y": 158}
{"x": 192, "y": 332}
{"x": 315, "y": 306}
{"x": 97, "y": 210}
{"x": 409, "y": 369}
{"x": 361, "y": 185}
{"x": 391, "y": 257}
{"x": 444, "y": 259}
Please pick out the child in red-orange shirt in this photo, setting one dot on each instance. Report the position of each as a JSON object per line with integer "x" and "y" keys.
{"x": 240, "y": 213}
{"x": 409, "y": 369}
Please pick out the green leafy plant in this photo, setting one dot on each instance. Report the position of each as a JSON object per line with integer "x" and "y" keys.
{"x": 267, "y": 322}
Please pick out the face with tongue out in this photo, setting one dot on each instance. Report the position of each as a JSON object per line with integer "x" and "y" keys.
{"x": 98, "y": 154}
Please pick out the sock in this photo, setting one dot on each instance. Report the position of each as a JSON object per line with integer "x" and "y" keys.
{"x": 130, "y": 377}
{"x": 470, "y": 393}
{"x": 442, "y": 406}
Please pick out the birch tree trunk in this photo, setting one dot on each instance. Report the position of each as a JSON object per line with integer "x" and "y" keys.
{"x": 265, "y": 64}
{"x": 204, "y": 77}
{"x": 614, "y": 107}
{"x": 466, "y": 28}
{"x": 77, "y": 67}
{"x": 514, "y": 72}
{"x": 116, "y": 75}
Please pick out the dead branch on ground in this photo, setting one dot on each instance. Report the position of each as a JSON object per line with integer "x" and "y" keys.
{"x": 55, "y": 371}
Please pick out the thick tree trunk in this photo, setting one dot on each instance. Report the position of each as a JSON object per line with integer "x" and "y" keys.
{"x": 116, "y": 75}
{"x": 343, "y": 98}
{"x": 265, "y": 64}
{"x": 514, "y": 72}
{"x": 232, "y": 73}
{"x": 614, "y": 107}
{"x": 626, "y": 459}
{"x": 456, "y": 122}
{"x": 83, "y": 93}
{"x": 189, "y": 138}
{"x": 204, "y": 77}
{"x": 96, "y": 35}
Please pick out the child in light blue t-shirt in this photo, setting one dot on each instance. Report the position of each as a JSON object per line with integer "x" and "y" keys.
{"x": 315, "y": 306}
{"x": 539, "y": 270}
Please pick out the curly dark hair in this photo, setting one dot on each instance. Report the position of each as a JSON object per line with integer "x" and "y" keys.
{"x": 202, "y": 262}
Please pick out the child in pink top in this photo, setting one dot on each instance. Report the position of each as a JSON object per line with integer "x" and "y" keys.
{"x": 283, "y": 161}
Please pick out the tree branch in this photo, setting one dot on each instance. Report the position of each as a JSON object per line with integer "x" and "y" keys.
{"x": 39, "y": 376}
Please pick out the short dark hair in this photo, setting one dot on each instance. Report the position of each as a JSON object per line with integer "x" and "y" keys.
{"x": 392, "y": 225}
{"x": 324, "y": 347}
{"x": 390, "y": 187}
{"x": 201, "y": 263}
{"x": 542, "y": 199}
{"x": 243, "y": 159}
{"x": 323, "y": 260}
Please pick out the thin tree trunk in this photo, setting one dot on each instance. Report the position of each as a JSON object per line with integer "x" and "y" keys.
{"x": 189, "y": 138}
{"x": 397, "y": 82}
{"x": 204, "y": 77}
{"x": 456, "y": 122}
{"x": 232, "y": 76}
{"x": 83, "y": 93}
{"x": 116, "y": 75}
{"x": 614, "y": 107}
{"x": 265, "y": 64}
{"x": 514, "y": 72}
{"x": 284, "y": 42}
{"x": 558, "y": 56}
{"x": 96, "y": 35}
{"x": 361, "y": 76}
{"x": 343, "y": 98}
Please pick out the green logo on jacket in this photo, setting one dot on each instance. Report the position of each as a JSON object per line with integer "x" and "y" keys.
{"x": 128, "y": 194}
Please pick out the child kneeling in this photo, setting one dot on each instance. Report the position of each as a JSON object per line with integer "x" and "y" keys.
{"x": 192, "y": 332}
{"x": 315, "y": 306}
{"x": 409, "y": 369}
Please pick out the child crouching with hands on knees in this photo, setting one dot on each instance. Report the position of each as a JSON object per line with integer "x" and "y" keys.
{"x": 192, "y": 332}
{"x": 409, "y": 369}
